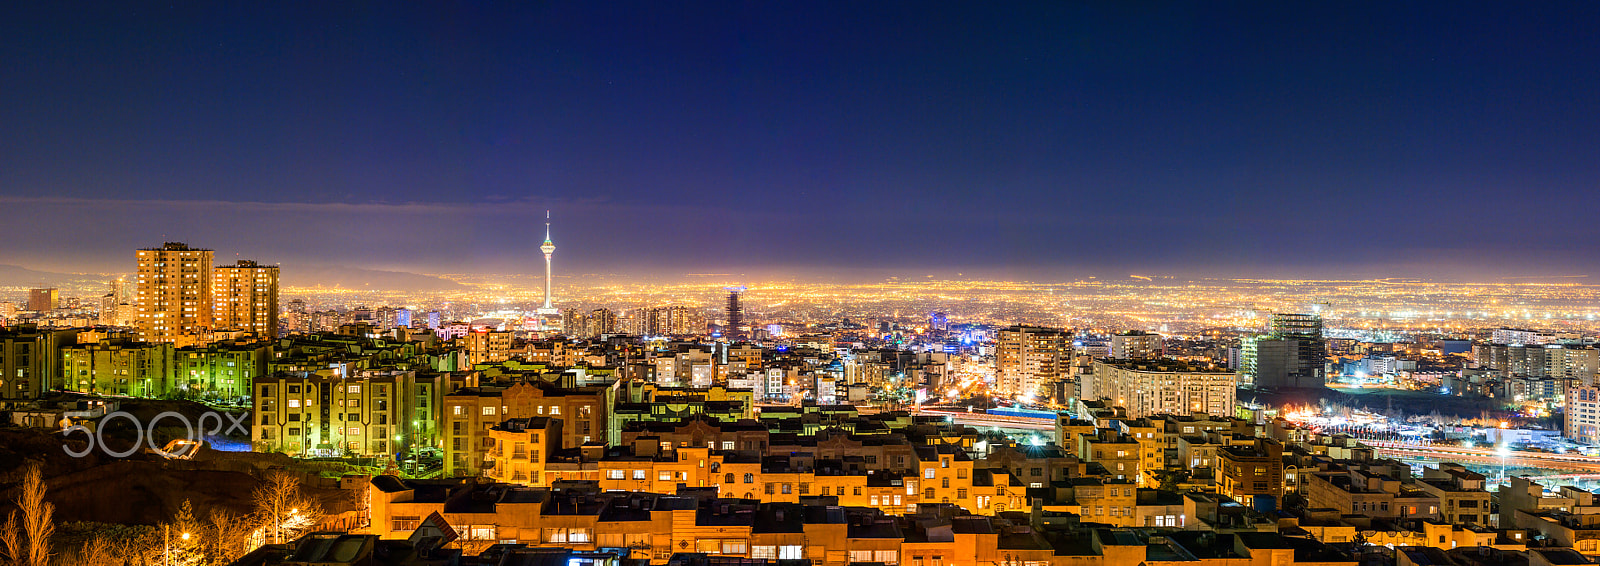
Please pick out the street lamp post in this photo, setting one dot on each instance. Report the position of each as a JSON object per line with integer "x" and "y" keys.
{"x": 1505, "y": 451}
{"x": 166, "y": 544}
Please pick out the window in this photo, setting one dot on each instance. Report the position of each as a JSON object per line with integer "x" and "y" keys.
{"x": 727, "y": 445}
{"x": 664, "y": 476}
{"x": 638, "y": 474}
{"x": 488, "y": 410}
{"x": 405, "y": 522}
{"x": 563, "y": 534}
{"x": 616, "y": 474}
{"x": 749, "y": 478}
{"x": 789, "y": 552}
{"x": 786, "y": 488}
{"x": 928, "y": 474}
{"x": 729, "y": 479}
{"x": 764, "y": 552}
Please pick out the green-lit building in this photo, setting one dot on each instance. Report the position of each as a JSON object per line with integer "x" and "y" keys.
{"x": 220, "y": 370}
{"x": 118, "y": 366}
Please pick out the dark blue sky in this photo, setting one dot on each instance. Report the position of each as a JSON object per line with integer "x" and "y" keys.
{"x": 1270, "y": 139}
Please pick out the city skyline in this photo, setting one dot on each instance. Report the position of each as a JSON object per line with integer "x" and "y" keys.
{"x": 1245, "y": 139}
{"x": 1094, "y": 283}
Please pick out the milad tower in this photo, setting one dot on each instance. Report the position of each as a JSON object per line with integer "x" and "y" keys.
{"x": 549, "y": 248}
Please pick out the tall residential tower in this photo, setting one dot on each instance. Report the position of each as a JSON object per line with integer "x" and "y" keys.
{"x": 1029, "y": 358}
{"x": 246, "y": 296}
{"x": 173, "y": 294}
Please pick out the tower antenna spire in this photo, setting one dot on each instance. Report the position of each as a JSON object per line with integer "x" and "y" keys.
{"x": 548, "y": 248}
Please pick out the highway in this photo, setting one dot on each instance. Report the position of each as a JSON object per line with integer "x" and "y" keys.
{"x": 986, "y": 420}
{"x": 1486, "y": 456}
{"x": 1439, "y": 452}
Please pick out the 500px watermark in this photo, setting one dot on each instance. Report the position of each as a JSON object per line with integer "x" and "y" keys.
{"x": 147, "y": 432}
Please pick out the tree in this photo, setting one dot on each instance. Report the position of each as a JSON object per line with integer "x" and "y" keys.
{"x": 225, "y": 536}
{"x": 182, "y": 538}
{"x": 97, "y": 551}
{"x": 11, "y": 540}
{"x": 281, "y": 510}
{"x": 27, "y": 542}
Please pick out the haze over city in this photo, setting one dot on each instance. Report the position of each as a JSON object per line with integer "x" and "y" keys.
{"x": 1044, "y": 141}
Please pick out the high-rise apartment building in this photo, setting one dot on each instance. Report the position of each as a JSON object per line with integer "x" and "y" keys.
{"x": 1153, "y": 387}
{"x": 1031, "y": 357}
{"x": 667, "y": 321}
{"x": 245, "y": 296}
{"x": 43, "y": 300}
{"x": 735, "y": 314}
{"x": 1136, "y": 344}
{"x": 172, "y": 302}
{"x": 601, "y": 322}
{"x": 1293, "y": 355}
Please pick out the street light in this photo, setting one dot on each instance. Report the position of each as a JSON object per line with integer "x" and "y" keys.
{"x": 166, "y": 544}
{"x": 1505, "y": 451}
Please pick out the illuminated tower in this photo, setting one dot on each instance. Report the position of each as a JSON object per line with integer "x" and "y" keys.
{"x": 173, "y": 301}
{"x": 548, "y": 248}
{"x": 735, "y": 314}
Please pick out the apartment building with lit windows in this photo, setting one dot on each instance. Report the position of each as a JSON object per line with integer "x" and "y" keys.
{"x": 485, "y": 346}
{"x": 333, "y": 413}
{"x": 245, "y": 297}
{"x": 118, "y": 366}
{"x": 222, "y": 370}
{"x": 1028, "y": 358}
{"x": 30, "y": 358}
{"x": 1249, "y": 473}
{"x": 690, "y": 527}
{"x": 173, "y": 289}
{"x": 1153, "y": 387}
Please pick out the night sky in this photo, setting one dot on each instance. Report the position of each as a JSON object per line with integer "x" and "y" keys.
{"x": 1057, "y": 139}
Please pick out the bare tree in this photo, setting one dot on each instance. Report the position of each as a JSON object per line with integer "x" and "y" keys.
{"x": 97, "y": 551}
{"x": 37, "y": 526}
{"x": 282, "y": 511}
{"x": 11, "y": 540}
{"x": 225, "y": 536}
